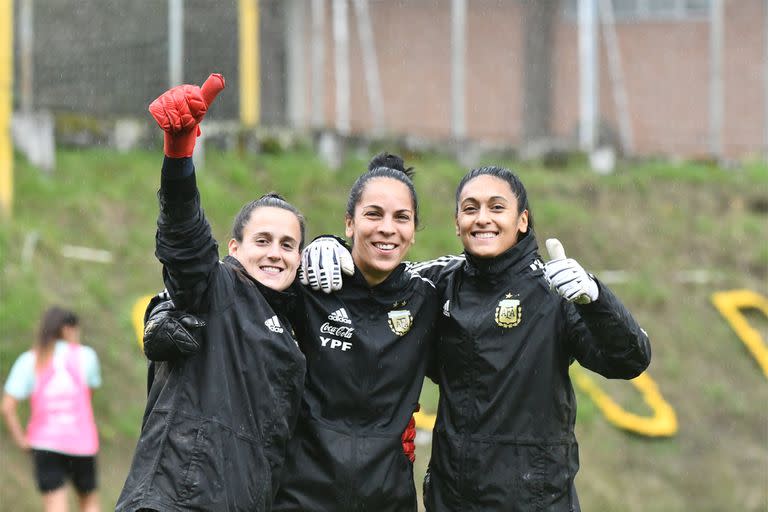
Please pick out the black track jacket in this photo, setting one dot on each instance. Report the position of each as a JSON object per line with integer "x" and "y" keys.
{"x": 217, "y": 423}
{"x": 366, "y": 350}
{"x": 504, "y": 438}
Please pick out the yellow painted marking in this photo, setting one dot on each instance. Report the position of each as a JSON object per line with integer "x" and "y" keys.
{"x": 729, "y": 304}
{"x": 6, "y": 105}
{"x": 249, "y": 72}
{"x": 137, "y": 318}
{"x": 662, "y": 423}
{"x": 424, "y": 420}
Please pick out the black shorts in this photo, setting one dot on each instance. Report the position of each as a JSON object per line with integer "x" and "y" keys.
{"x": 53, "y": 469}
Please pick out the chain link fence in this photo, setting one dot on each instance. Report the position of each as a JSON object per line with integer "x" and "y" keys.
{"x": 110, "y": 58}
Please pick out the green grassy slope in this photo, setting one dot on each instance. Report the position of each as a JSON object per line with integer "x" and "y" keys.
{"x": 653, "y": 221}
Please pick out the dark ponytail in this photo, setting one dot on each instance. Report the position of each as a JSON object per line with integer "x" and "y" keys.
{"x": 51, "y": 329}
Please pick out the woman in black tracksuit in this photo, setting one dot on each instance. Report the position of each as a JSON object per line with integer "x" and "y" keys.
{"x": 217, "y": 423}
{"x": 509, "y": 328}
{"x": 366, "y": 348}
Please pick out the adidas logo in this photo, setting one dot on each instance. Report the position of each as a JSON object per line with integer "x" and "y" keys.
{"x": 447, "y": 308}
{"x": 273, "y": 324}
{"x": 340, "y": 315}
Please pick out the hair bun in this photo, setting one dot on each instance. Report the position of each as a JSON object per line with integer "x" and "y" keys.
{"x": 390, "y": 161}
{"x": 274, "y": 195}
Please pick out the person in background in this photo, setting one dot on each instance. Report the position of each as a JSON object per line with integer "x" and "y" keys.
{"x": 57, "y": 376}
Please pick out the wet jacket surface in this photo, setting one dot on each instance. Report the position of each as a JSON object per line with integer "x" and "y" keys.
{"x": 504, "y": 436}
{"x": 217, "y": 423}
{"x": 366, "y": 350}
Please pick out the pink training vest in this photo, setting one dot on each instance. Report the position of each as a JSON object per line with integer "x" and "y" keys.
{"x": 61, "y": 418}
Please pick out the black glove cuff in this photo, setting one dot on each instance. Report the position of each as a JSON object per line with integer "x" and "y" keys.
{"x": 167, "y": 333}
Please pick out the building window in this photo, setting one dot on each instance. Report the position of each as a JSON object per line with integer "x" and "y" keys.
{"x": 649, "y": 10}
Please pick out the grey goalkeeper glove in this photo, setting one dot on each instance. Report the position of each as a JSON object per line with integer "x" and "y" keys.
{"x": 322, "y": 263}
{"x": 567, "y": 277}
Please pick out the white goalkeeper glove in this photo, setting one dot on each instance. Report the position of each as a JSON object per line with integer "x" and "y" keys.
{"x": 567, "y": 277}
{"x": 322, "y": 263}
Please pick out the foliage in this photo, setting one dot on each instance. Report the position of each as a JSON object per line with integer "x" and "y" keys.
{"x": 656, "y": 221}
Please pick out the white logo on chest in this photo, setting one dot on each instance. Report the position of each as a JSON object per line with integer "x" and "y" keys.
{"x": 335, "y": 330}
{"x": 333, "y": 343}
{"x": 273, "y": 324}
{"x": 340, "y": 315}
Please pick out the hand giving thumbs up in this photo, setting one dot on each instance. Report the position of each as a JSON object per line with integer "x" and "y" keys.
{"x": 567, "y": 277}
{"x": 180, "y": 110}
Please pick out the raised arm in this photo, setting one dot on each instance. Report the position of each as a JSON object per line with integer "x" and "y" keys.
{"x": 184, "y": 243}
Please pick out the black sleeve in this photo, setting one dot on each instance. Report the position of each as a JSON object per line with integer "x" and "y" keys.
{"x": 299, "y": 316}
{"x": 605, "y": 338}
{"x": 184, "y": 243}
{"x": 296, "y": 313}
{"x": 433, "y": 363}
{"x": 438, "y": 269}
{"x": 150, "y": 375}
{"x": 170, "y": 334}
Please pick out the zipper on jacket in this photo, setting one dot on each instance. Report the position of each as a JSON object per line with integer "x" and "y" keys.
{"x": 353, "y": 498}
{"x": 464, "y": 481}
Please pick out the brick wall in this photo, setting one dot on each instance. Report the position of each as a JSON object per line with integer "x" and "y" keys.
{"x": 665, "y": 64}
{"x": 109, "y": 58}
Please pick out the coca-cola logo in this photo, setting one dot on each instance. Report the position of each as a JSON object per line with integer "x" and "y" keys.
{"x": 342, "y": 331}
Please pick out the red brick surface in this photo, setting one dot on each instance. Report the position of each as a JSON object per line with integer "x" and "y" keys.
{"x": 665, "y": 64}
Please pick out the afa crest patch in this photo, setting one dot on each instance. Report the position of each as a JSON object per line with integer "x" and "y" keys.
{"x": 509, "y": 312}
{"x": 400, "y": 321}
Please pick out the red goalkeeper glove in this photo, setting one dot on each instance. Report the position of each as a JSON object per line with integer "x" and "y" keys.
{"x": 409, "y": 438}
{"x": 180, "y": 110}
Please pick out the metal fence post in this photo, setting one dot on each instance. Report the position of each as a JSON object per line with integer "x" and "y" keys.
{"x": 588, "y": 86}
{"x": 175, "y": 42}
{"x": 458, "y": 71}
{"x": 716, "y": 79}
{"x": 341, "y": 64}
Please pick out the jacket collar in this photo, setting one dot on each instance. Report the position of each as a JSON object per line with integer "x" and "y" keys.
{"x": 280, "y": 301}
{"x": 394, "y": 281}
{"x": 520, "y": 255}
